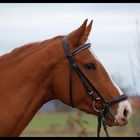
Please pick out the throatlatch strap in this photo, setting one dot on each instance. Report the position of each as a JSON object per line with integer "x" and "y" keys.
{"x": 70, "y": 81}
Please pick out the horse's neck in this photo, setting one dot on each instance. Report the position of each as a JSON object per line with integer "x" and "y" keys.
{"x": 25, "y": 85}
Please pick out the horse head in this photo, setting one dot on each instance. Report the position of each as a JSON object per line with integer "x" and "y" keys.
{"x": 71, "y": 83}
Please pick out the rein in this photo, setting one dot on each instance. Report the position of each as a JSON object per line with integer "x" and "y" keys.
{"x": 89, "y": 87}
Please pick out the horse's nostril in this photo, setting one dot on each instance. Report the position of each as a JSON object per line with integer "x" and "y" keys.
{"x": 125, "y": 113}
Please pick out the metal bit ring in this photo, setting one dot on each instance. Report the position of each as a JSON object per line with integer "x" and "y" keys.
{"x": 97, "y": 99}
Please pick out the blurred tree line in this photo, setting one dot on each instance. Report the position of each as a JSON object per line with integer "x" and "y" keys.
{"x": 135, "y": 119}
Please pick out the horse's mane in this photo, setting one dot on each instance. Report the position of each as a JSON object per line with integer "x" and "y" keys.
{"x": 25, "y": 50}
{"x": 18, "y": 52}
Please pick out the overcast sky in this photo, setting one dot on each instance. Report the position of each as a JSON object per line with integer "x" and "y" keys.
{"x": 113, "y": 35}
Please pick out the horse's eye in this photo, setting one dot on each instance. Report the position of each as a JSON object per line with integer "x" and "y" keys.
{"x": 90, "y": 66}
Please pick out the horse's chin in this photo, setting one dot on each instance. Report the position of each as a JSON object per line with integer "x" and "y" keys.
{"x": 115, "y": 123}
{"x": 111, "y": 123}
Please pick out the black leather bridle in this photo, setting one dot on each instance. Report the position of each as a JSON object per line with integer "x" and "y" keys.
{"x": 89, "y": 87}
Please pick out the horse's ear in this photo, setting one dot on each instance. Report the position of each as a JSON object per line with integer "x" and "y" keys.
{"x": 86, "y": 33}
{"x": 74, "y": 38}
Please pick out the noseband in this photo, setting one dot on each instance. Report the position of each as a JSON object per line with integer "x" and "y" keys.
{"x": 89, "y": 87}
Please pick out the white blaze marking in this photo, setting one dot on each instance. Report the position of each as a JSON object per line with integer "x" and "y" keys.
{"x": 124, "y": 105}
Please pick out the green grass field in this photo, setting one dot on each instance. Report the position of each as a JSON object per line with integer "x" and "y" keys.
{"x": 71, "y": 124}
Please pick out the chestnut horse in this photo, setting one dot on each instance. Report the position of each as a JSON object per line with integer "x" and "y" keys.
{"x": 36, "y": 73}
